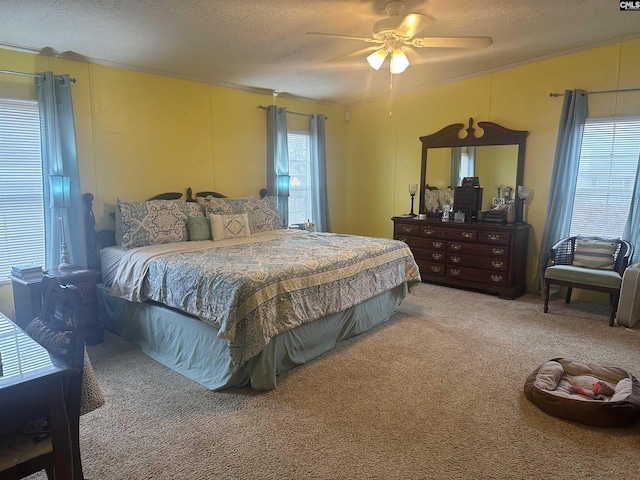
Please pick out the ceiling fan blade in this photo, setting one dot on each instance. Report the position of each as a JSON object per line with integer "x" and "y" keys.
{"x": 451, "y": 42}
{"x": 359, "y": 53}
{"x": 348, "y": 37}
{"x": 412, "y": 24}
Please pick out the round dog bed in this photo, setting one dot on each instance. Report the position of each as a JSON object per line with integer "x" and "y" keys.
{"x": 589, "y": 394}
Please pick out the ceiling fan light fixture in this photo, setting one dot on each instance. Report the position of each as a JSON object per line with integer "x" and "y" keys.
{"x": 376, "y": 59}
{"x": 399, "y": 61}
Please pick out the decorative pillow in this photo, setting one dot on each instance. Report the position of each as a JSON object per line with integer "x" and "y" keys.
{"x": 594, "y": 252}
{"x": 431, "y": 200}
{"x": 445, "y": 197}
{"x": 155, "y": 222}
{"x": 234, "y": 225}
{"x": 199, "y": 228}
{"x": 57, "y": 342}
{"x": 262, "y": 212}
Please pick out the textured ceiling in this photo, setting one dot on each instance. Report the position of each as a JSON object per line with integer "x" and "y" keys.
{"x": 262, "y": 44}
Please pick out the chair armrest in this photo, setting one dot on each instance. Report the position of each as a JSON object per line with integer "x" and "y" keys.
{"x": 561, "y": 252}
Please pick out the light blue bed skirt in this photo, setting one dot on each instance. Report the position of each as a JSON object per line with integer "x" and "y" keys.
{"x": 192, "y": 348}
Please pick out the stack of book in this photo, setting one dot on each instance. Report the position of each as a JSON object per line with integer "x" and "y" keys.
{"x": 27, "y": 272}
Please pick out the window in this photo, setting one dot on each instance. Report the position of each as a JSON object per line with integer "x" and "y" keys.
{"x": 21, "y": 196}
{"x": 606, "y": 176}
{"x": 300, "y": 177}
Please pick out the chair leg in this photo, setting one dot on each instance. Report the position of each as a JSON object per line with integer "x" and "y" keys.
{"x": 74, "y": 428}
{"x": 614, "y": 299}
{"x": 546, "y": 296}
{"x": 568, "y": 298}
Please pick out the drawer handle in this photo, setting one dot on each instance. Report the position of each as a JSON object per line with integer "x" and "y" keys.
{"x": 428, "y": 231}
{"x": 455, "y": 259}
{"x": 454, "y": 271}
{"x": 496, "y": 278}
{"x": 467, "y": 234}
{"x": 435, "y": 268}
{"x": 498, "y": 251}
{"x": 407, "y": 228}
{"x": 497, "y": 264}
{"x": 402, "y": 239}
{"x": 437, "y": 244}
{"x": 436, "y": 256}
{"x": 456, "y": 246}
{"x": 494, "y": 237}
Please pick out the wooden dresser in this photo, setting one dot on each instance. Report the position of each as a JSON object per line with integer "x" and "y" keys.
{"x": 480, "y": 256}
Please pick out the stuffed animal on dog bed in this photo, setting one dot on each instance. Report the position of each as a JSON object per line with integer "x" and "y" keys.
{"x": 589, "y": 394}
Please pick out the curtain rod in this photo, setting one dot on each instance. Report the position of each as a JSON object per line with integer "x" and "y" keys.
{"x": 599, "y": 91}
{"x": 293, "y": 113}
{"x": 11, "y": 72}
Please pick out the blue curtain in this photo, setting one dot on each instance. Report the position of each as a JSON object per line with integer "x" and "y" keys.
{"x": 631, "y": 231}
{"x": 456, "y": 158}
{"x": 278, "y": 159}
{"x": 59, "y": 157}
{"x": 563, "y": 177}
{"x": 318, "y": 157}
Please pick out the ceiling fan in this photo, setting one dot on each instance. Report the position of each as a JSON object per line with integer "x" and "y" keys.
{"x": 393, "y": 35}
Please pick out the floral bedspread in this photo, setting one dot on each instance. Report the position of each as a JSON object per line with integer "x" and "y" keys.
{"x": 255, "y": 290}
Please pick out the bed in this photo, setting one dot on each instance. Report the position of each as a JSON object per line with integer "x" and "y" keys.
{"x": 245, "y": 300}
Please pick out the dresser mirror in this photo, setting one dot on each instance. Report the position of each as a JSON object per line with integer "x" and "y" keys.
{"x": 491, "y": 152}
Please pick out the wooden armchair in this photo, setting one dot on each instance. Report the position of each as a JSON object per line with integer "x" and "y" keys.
{"x": 30, "y": 449}
{"x": 588, "y": 263}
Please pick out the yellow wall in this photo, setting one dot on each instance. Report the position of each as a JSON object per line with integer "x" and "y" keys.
{"x": 386, "y": 151}
{"x": 139, "y": 134}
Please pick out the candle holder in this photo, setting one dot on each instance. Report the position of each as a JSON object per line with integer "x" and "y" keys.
{"x": 413, "y": 188}
{"x": 523, "y": 194}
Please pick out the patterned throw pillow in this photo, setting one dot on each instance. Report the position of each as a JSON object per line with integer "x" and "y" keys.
{"x": 594, "y": 252}
{"x": 262, "y": 212}
{"x": 445, "y": 197}
{"x": 199, "y": 228}
{"x": 431, "y": 200}
{"x": 155, "y": 222}
{"x": 234, "y": 225}
{"x": 55, "y": 341}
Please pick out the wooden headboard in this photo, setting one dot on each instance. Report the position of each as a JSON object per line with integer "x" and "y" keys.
{"x": 105, "y": 238}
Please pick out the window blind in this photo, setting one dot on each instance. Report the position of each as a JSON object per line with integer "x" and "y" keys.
{"x": 21, "y": 195}
{"x": 299, "y": 170}
{"x": 606, "y": 176}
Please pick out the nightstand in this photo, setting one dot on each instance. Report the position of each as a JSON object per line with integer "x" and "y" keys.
{"x": 27, "y": 300}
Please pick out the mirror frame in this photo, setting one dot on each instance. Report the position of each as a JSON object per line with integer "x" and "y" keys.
{"x": 492, "y": 134}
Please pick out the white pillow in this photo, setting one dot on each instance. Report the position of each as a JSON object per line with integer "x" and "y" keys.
{"x": 234, "y": 225}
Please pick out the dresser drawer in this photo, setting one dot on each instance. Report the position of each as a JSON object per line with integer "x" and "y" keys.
{"x": 463, "y": 234}
{"x": 431, "y": 268}
{"x": 402, "y": 229}
{"x": 477, "y": 275}
{"x": 494, "y": 238}
{"x": 469, "y": 260}
{"x": 478, "y": 249}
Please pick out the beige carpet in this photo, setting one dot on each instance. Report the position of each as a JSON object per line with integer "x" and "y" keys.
{"x": 435, "y": 393}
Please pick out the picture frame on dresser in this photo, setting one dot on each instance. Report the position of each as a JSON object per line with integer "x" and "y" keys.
{"x": 482, "y": 255}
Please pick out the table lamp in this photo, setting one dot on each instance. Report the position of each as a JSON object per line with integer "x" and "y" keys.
{"x": 60, "y": 193}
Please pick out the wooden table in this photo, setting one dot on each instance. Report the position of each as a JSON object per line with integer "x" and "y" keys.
{"x": 31, "y": 387}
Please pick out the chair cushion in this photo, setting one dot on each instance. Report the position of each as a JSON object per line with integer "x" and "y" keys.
{"x": 595, "y": 252}
{"x": 585, "y": 276}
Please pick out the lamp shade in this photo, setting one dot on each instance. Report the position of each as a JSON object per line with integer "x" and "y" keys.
{"x": 60, "y": 191}
{"x": 376, "y": 59}
{"x": 399, "y": 61}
